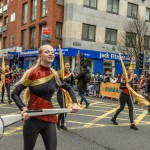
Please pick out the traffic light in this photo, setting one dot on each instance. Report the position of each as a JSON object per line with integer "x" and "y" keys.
{"x": 141, "y": 60}
{"x": 16, "y": 59}
{"x": 82, "y": 60}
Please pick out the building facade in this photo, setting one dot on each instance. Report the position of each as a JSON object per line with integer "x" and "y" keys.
{"x": 91, "y": 27}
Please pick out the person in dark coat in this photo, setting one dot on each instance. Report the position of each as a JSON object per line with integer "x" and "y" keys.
{"x": 82, "y": 86}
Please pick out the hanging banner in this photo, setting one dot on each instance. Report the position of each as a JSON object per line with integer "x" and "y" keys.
{"x": 109, "y": 89}
{"x": 46, "y": 33}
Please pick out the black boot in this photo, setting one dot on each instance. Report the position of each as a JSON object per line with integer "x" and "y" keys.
{"x": 87, "y": 105}
{"x": 2, "y": 101}
{"x": 133, "y": 126}
{"x": 58, "y": 125}
{"x": 114, "y": 121}
{"x": 10, "y": 101}
{"x": 64, "y": 127}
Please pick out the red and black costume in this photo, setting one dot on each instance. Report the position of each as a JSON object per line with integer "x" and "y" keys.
{"x": 42, "y": 85}
{"x": 6, "y": 85}
{"x": 125, "y": 97}
{"x": 68, "y": 78}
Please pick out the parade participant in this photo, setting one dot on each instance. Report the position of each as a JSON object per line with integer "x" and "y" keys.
{"x": 147, "y": 92}
{"x": 125, "y": 97}
{"x": 62, "y": 96}
{"x": 8, "y": 76}
{"x": 40, "y": 82}
{"x": 82, "y": 85}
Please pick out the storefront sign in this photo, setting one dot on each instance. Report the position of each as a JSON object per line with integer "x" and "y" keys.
{"x": 109, "y": 89}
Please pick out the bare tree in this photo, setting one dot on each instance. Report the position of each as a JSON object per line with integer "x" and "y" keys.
{"x": 134, "y": 39}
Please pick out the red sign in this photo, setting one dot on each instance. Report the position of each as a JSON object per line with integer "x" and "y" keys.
{"x": 46, "y": 33}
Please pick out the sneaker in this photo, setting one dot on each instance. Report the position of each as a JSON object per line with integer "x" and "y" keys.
{"x": 114, "y": 121}
{"x": 87, "y": 105}
{"x": 133, "y": 126}
{"x": 64, "y": 127}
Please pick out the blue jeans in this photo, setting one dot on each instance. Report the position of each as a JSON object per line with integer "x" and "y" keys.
{"x": 81, "y": 93}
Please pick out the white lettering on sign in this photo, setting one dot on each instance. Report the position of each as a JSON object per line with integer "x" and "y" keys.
{"x": 106, "y": 55}
{"x": 114, "y": 56}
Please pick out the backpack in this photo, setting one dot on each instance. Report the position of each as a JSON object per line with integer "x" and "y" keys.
{"x": 87, "y": 78}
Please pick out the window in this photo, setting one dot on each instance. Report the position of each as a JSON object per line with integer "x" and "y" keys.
{"x": 59, "y": 30}
{"x": 5, "y": 42}
{"x": 23, "y": 39}
{"x": 111, "y": 36}
{"x": 41, "y": 41}
{"x": 33, "y": 10}
{"x": 90, "y": 3}
{"x": 130, "y": 39}
{"x": 147, "y": 16}
{"x": 88, "y": 32}
{"x": 5, "y": 20}
{"x": 113, "y": 6}
{"x": 60, "y": 2}
{"x": 11, "y": 40}
{"x": 147, "y": 42}
{"x": 132, "y": 10}
{"x": 24, "y": 13}
{"x": 12, "y": 17}
{"x": 32, "y": 38}
{"x": 44, "y": 8}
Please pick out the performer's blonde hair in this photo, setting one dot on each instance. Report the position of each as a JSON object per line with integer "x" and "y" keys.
{"x": 26, "y": 95}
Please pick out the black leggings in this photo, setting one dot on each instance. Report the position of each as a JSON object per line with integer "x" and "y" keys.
{"x": 32, "y": 127}
{"x": 62, "y": 104}
{"x": 7, "y": 85}
{"x": 124, "y": 98}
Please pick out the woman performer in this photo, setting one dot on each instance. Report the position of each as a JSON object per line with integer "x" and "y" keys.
{"x": 125, "y": 97}
{"x": 63, "y": 96}
{"x": 8, "y": 76}
{"x": 42, "y": 82}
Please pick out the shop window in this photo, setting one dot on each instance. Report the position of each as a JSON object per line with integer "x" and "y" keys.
{"x": 109, "y": 65}
{"x": 132, "y": 10}
{"x": 113, "y": 6}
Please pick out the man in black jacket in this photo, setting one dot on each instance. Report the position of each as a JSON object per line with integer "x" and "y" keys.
{"x": 82, "y": 86}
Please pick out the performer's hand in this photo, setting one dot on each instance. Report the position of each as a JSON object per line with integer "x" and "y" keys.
{"x": 24, "y": 114}
{"x": 74, "y": 107}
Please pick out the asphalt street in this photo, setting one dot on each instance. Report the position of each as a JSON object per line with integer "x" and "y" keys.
{"x": 89, "y": 129}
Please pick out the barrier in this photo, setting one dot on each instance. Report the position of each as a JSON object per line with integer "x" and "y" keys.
{"x": 109, "y": 89}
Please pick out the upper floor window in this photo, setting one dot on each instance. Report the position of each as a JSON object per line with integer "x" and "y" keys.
{"x": 60, "y": 2}
{"x": 88, "y": 32}
{"x": 59, "y": 30}
{"x": 111, "y": 36}
{"x": 11, "y": 40}
{"x": 5, "y": 20}
{"x": 90, "y": 3}
{"x": 147, "y": 16}
{"x": 5, "y": 42}
{"x": 130, "y": 39}
{"x": 113, "y": 6}
{"x": 23, "y": 39}
{"x": 33, "y": 10}
{"x": 32, "y": 38}
{"x": 12, "y": 17}
{"x": 44, "y": 8}
{"x": 147, "y": 42}
{"x": 24, "y": 13}
{"x": 132, "y": 10}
